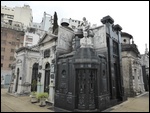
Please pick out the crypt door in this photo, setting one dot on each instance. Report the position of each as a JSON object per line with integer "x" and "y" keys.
{"x": 34, "y": 77}
{"x": 86, "y": 87}
{"x": 47, "y": 78}
{"x": 17, "y": 80}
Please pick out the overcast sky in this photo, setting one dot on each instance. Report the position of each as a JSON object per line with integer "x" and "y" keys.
{"x": 133, "y": 16}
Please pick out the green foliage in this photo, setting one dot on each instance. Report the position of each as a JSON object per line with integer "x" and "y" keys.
{"x": 42, "y": 95}
{"x": 34, "y": 93}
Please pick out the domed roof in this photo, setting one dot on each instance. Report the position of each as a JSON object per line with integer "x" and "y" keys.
{"x": 126, "y": 34}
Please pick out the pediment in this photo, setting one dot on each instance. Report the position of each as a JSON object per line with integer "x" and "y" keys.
{"x": 46, "y": 37}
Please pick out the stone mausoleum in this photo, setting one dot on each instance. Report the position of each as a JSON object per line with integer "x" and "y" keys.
{"x": 131, "y": 65}
{"x": 88, "y": 67}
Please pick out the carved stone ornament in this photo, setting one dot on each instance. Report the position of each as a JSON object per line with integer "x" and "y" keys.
{"x": 19, "y": 61}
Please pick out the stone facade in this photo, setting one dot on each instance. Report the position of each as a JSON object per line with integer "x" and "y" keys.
{"x": 47, "y": 48}
{"x": 131, "y": 64}
{"x": 145, "y": 68}
{"x": 25, "y": 60}
{"x": 42, "y": 54}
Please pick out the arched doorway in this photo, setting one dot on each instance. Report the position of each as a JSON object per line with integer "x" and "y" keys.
{"x": 17, "y": 80}
{"x": 34, "y": 77}
{"x": 47, "y": 78}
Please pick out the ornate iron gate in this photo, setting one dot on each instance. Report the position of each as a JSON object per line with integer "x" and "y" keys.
{"x": 86, "y": 86}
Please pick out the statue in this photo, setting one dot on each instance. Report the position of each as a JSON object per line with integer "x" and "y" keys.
{"x": 86, "y": 41}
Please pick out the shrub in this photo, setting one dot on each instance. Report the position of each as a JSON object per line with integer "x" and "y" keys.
{"x": 34, "y": 93}
{"x": 42, "y": 95}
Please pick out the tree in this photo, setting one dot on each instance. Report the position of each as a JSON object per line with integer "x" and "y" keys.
{"x": 55, "y": 25}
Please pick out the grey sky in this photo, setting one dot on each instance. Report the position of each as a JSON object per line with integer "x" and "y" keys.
{"x": 133, "y": 16}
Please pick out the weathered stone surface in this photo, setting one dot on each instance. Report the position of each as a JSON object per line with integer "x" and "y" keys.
{"x": 65, "y": 38}
{"x": 131, "y": 66}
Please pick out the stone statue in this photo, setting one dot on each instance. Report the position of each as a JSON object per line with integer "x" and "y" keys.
{"x": 86, "y": 41}
{"x": 85, "y": 27}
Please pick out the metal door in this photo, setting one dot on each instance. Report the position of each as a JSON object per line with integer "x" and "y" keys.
{"x": 86, "y": 85}
{"x": 47, "y": 78}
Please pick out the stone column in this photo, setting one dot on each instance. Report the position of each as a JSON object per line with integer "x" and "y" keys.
{"x": 108, "y": 21}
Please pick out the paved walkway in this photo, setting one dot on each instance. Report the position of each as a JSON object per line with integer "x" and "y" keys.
{"x": 22, "y": 104}
{"x": 136, "y": 104}
{"x": 11, "y": 103}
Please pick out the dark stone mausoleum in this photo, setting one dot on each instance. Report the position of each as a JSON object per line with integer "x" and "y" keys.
{"x": 89, "y": 78}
